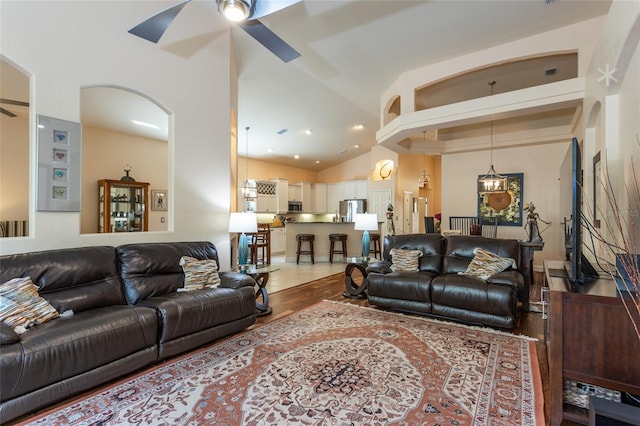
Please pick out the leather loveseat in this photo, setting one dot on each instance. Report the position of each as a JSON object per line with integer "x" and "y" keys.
{"x": 440, "y": 289}
{"x": 123, "y": 312}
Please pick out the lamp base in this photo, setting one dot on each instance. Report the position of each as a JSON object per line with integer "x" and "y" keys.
{"x": 366, "y": 244}
{"x": 243, "y": 250}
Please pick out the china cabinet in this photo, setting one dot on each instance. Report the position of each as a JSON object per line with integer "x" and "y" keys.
{"x": 123, "y": 206}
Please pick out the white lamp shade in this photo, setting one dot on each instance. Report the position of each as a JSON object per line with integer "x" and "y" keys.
{"x": 366, "y": 222}
{"x": 243, "y": 222}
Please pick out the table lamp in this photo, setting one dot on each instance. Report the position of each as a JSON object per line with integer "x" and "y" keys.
{"x": 366, "y": 222}
{"x": 243, "y": 222}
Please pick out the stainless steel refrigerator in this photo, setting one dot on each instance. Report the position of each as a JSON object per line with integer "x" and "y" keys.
{"x": 349, "y": 208}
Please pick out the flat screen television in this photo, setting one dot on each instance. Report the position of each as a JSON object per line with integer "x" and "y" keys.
{"x": 577, "y": 267}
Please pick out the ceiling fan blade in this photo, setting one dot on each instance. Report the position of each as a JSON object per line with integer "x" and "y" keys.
{"x": 270, "y": 40}
{"x": 265, "y": 7}
{"x": 153, "y": 28}
{"x": 7, "y": 112}
{"x": 12, "y": 102}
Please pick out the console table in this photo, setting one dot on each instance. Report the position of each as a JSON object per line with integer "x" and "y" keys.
{"x": 589, "y": 338}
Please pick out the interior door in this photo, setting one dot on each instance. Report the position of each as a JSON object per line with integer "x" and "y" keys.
{"x": 407, "y": 213}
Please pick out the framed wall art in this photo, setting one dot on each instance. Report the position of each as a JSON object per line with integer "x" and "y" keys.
{"x": 159, "y": 199}
{"x": 506, "y": 206}
{"x": 59, "y": 152}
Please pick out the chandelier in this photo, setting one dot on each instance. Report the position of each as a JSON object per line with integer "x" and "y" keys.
{"x": 492, "y": 181}
{"x": 249, "y": 188}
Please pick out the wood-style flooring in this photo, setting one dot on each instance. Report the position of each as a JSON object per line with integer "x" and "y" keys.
{"x": 293, "y": 299}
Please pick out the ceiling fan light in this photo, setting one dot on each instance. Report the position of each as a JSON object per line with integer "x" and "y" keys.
{"x": 234, "y": 10}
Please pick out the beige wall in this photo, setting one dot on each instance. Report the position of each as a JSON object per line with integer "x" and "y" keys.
{"x": 14, "y": 168}
{"x": 104, "y": 155}
{"x": 263, "y": 170}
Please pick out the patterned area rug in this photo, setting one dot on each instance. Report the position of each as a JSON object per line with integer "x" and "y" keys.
{"x": 333, "y": 364}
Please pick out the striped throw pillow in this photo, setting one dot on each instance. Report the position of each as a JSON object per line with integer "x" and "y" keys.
{"x": 199, "y": 273}
{"x": 22, "y": 307}
{"x": 484, "y": 264}
{"x": 405, "y": 260}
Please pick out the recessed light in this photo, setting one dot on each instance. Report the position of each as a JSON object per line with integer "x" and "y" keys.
{"x": 296, "y": 156}
{"x": 358, "y": 127}
{"x": 308, "y": 132}
{"x": 317, "y": 161}
{"x": 356, "y": 146}
{"x": 269, "y": 149}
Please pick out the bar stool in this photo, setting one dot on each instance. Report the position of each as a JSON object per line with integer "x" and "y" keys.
{"x": 375, "y": 241}
{"x": 301, "y": 238}
{"x": 333, "y": 239}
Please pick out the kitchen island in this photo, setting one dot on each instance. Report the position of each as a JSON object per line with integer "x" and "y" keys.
{"x": 321, "y": 244}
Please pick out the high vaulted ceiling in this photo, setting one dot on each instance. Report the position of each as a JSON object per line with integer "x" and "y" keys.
{"x": 352, "y": 51}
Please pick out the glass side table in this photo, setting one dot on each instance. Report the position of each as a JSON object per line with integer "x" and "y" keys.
{"x": 261, "y": 275}
{"x": 355, "y": 277}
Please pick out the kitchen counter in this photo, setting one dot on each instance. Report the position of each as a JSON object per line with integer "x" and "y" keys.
{"x": 321, "y": 244}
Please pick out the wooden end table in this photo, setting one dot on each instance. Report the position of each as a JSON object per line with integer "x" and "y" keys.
{"x": 261, "y": 275}
{"x": 356, "y": 266}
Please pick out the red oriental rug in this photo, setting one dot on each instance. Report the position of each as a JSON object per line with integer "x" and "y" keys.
{"x": 333, "y": 364}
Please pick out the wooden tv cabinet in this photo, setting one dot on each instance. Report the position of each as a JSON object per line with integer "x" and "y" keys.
{"x": 590, "y": 339}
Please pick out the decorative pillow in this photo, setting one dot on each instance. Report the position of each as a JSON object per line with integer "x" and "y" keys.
{"x": 21, "y": 306}
{"x": 405, "y": 260}
{"x": 484, "y": 264}
{"x": 199, "y": 273}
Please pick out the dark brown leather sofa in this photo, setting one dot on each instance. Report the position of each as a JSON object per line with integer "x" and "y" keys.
{"x": 127, "y": 314}
{"x": 438, "y": 289}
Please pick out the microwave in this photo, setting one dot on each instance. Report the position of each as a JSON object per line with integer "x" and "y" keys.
{"x": 295, "y": 206}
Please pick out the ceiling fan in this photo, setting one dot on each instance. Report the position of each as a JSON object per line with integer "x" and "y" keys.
{"x": 244, "y": 12}
{"x": 11, "y": 102}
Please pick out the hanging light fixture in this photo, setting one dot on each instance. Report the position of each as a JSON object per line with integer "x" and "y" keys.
{"x": 249, "y": 188}
{"x": 492, "y": 181}
{"x": 424, "y": 179}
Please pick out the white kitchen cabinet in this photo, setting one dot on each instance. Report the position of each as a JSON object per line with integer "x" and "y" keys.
{"x": 295, "y": 192}
{"x": 267, "y": 204}
{"x": 354, "y": 189}
{"x": 282, "y": 195}
{"x": 333, "y": 198}
{"x": 278, "y": 240}
{"x": 319, "y": 198}
{"x": 305, "y": 196}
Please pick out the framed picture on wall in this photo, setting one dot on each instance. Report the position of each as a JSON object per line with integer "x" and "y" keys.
{"x": 159, "y": 199}
{"x": 59, "y": 152}
{"x": 506, "y": 206}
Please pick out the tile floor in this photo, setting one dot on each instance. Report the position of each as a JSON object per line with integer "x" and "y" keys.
{"x": 291, "y": 274}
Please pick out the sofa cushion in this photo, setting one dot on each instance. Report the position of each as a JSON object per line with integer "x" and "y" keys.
{"x": 199, "y": 273}
{"x": 405, "y": 260}
{"x": 64, "y": 279}
{"x": 21, "y": 307}
{"x": 429, "y": 244}
{"x": 459, "y": 251}
{"x": 7, "y": 335}
{"x": 66, "y": 347}
{"x": 153, "y": 269}
{"x": 485, "y": 264}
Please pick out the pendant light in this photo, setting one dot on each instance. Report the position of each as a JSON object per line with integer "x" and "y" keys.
{"x": 249, "y": 188}
{"x": 424, "y": 179}
{"x": 492, "y": 182}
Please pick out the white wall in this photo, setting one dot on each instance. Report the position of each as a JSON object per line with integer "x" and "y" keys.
{"x": 612, "y": 114}
{"x": 540, "y": 165}
{"x": 69, "y": 45}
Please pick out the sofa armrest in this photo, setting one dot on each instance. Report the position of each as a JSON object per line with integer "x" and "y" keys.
{"x": 512, "y": 278}
{"x": 231, "y": 279}
{"x": 380, "y": 267}
{"x": 7, "y": 335}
